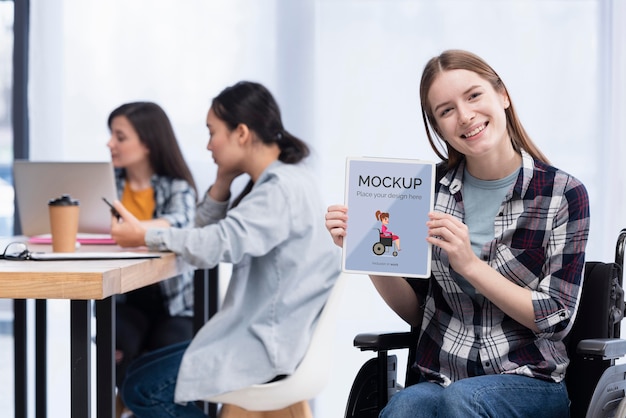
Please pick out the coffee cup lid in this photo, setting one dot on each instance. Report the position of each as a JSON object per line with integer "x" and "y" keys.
{"x": 64, "y": 200}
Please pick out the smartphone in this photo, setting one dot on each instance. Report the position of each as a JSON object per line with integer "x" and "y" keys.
{"x": 114, "y": 211}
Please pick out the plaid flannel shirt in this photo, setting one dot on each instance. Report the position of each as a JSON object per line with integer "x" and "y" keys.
{"x": 175, "y": 201}
{"x": 541, "y": 232}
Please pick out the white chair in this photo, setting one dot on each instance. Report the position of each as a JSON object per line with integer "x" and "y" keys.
{"x": 288, "y": 398}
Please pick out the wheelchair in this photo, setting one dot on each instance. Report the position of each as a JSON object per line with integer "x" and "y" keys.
{"x": 384, "y": 242}
{"x": 596, "y": 384}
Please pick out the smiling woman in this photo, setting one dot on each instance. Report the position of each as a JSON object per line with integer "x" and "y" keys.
{"x": 500, "y": 232}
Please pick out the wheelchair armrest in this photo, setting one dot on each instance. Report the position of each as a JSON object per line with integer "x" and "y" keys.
{"x": 382, "y": 342}
{"x": 607, "y": 348}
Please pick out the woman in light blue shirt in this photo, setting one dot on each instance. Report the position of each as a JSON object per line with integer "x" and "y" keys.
{"x": 283, "y": 264}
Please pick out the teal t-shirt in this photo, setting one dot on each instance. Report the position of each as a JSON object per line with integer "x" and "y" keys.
{"x": 482, "y": 200}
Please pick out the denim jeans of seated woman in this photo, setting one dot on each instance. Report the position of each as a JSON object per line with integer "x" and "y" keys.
{"x": 504, "y": 395}
{"x": 150, "y": 382}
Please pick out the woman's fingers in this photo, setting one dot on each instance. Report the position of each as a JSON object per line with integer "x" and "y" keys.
{"x": 337, "y": 208}
{"x": 336, "y": 223}
{"x": 446, "y": 227}
{"x": 124, "y": 213}
{"x": 452, "y": 236}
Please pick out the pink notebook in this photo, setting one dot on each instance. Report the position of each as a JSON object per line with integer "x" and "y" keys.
{"x": 83, "y": 239}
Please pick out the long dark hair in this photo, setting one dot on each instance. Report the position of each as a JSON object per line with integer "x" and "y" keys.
{"x": 155, "y": 131}
{"x": 252, "y": 104}
{"x": 455, "y": 59}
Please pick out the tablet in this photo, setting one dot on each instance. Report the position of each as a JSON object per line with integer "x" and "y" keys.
{"x": 43, "y": 256}
{"x": 388, "y": 204}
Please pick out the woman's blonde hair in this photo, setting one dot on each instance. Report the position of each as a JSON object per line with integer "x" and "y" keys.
{"x": 455, "y": 59}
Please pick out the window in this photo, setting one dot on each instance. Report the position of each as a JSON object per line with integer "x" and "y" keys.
{"x": 6, "y": 134}
{"x": 6, "y": 193}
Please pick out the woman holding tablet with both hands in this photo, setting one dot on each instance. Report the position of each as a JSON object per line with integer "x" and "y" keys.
{"x": 508, "y": 232}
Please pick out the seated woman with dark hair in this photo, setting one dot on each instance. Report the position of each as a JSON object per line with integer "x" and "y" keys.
{"x": 284, "y": 266}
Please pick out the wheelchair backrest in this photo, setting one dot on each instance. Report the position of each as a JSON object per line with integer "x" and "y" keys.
{"x": 599, "y": 315}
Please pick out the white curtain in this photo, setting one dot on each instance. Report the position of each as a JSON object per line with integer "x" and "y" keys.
{"x": 611, "y": 169}
{"x": 346, "y": 73}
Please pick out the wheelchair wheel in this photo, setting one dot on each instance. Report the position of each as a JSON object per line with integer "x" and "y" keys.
{"x": 395, "y": 253}
{"x": 363, "y": 400}
{"x": 621, "y": 409}
{"x": 378, "y": 248}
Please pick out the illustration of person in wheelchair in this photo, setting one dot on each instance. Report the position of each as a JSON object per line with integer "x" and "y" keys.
{"x": 387, "y": 239}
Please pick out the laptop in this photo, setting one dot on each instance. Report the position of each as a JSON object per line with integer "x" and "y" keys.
{"x": 37, "y": 182}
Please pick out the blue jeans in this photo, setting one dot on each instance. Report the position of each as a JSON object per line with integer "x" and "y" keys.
{"x": 148, "y": 389}
{"x": 503, "y": 395}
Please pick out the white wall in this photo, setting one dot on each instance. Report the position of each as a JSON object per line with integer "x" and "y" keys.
{"x": 346, "y": 73}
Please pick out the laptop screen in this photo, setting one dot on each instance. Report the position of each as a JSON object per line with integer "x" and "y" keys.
{"x": 36, "y": 182}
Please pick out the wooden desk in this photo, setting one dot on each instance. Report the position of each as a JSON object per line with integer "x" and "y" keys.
{"x": 80, "y": 282}
{"x": 83, "y": 279}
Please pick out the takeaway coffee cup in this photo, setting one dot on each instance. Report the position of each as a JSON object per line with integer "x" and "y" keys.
{"x": 63, "y": 223}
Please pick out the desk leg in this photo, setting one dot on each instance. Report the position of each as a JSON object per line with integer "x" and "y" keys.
{"x": 206, "y": 293}
{"x": 41, "y": 356}
{"x": 80, "y": 330}
{"x": 105, "y": 357}
{"x": 20, "y": 340}
{"x": 20, "y": 357}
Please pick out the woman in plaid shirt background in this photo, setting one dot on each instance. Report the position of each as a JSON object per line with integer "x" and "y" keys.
{"x": 156, "y": 185}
